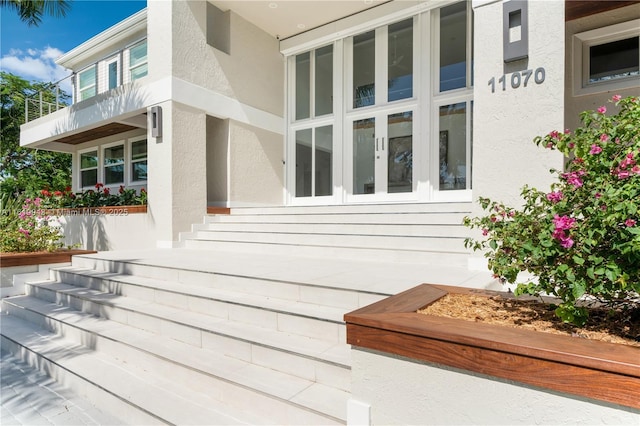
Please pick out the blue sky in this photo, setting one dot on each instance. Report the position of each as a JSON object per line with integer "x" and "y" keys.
{"x": 30, "y": 52}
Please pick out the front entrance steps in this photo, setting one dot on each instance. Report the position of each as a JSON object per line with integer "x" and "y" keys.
{"x": 208, "y": 336}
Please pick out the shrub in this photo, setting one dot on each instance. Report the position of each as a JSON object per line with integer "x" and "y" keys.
{"x": 581, "y": 239}
{"x": 100, "y": 197}
{"x": 24, "y": 227}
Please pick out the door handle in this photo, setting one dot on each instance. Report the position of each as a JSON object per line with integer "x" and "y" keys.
{"x": 383, "y": 143}
{"x": 377, "y": 144}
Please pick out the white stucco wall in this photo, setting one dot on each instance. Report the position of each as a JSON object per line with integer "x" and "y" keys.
{"x": 117, "y": 230}
{"x": 252, "y": 72}
{"x": 256, "y": 169}
{"x": 404, "y": 391}
{"x": 505, "y": 122}
{"x": 575, "y": 104}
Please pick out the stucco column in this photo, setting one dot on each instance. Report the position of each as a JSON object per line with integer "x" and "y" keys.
{"x": 507, "y": 116}
{"x": 177, "y": 172}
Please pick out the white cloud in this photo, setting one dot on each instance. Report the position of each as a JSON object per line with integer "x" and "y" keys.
{"x": 34, "y": 64}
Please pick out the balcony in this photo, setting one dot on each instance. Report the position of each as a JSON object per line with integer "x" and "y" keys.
{"x": 125, "y": 66}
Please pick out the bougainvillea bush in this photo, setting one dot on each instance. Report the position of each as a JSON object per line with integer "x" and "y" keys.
{"x": 580, "y": 240}
{"x": 25, "y": 227}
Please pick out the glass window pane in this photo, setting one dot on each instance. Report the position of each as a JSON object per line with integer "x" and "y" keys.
{"x": 139, "y": 72}
{"x": 453, "y": 146}
{"x": 453, "y": 46}
{"x": 400, "y": 152}
{"x": 613, "y": 60}
{"x": 139, "y": 150}
{"x": 114, "y": 155}
{"x": 303, "y": 82}
{"x": 113, "y": 75}
{"x": 89, "y": 177}
{"x": 87, "y": 78}
{"x": 138, "y": 54}
{"x": 114, "y": 174}
{"x": 324, "y": 81}
{"x": 139, "y": 170}
{"x": 303, "y": 163}
{"x": 364, "y": 181}
{"x": 324, "y": 160}
{"x": 89, "y": 159}
{"x": 400, "y": 61}
{"x": 364, "y": 67}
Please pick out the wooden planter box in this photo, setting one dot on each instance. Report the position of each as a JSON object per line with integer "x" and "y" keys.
{"x": 597, "y": 370}
{"x": 39, "y": 258}
{"x": 98, "y": 211}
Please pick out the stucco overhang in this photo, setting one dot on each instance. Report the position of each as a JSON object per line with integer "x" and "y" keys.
{"x": 112, "y": 36}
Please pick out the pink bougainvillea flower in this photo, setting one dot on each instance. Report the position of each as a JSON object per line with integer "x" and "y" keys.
{"x": 629, "y": 223}
{"x": 571, "y": 145}
{"x": 595, "y": 149}
{"x": 550, "y": 145}
{"x": 567, "y": 131}
{"x": 623, "y": 174}
{"x": 567, "y": 242}
{"x": 604, "y": 137}
{"x": 616, "y": 98}
{"x": 23, "y": 231}
{"x": 602, "y": 109}
{"x": 485, "y": 232}
{"x": 37, "y": 201}
{"x": 107, "y": 191}
{"x": 636, "y": 169}
{"x": 99, "y": 185}
{"x": 563, "y": 222}
{"x": 554, "y": 134}
{"x": 598, "y": 195}
{"x": 554, "y": 196}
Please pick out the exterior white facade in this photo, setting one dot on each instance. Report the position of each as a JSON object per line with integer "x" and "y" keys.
{"x": 256, "y": 112}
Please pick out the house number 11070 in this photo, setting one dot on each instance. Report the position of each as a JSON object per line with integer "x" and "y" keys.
{"x": 518, "y": 79}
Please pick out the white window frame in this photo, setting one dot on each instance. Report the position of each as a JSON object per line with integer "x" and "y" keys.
{"x": 130, "y": 68}
{"x": 105, "y": 68}
{"x": 131, "y": 161}
{"x": 312, "y": 123}
{"x": 581, "y": 44}
{"x": 93, "y": 68}
{"x": 103, "y": 166}
{"x": 95, "y": 149}
{"x": 424, "y": 104}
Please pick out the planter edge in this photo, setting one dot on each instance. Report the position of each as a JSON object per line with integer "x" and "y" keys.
{"x": 597, "y": 370}
{"x": 39, "y": 258}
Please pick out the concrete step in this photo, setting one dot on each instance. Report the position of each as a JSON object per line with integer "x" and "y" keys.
{"x": 454, "y": 258}
{"x": 388, "y": 230}
{"x": 156, "y": 281}
{"x": 135, "y": 394}
{"x": 440, "y": 207}
{"x": 420, "y": 243}
{"x": 425, "y": 218}
{"x": 233, "y": 383}
{"x": 321, "y": 355}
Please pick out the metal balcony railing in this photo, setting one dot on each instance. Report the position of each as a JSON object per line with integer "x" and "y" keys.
{"x": 56, "y": 97}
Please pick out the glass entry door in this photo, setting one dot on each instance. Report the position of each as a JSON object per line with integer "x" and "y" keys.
{"x": 382, "y": 154}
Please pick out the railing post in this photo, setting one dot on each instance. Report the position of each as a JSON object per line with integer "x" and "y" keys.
{"x": 57, "y": 96}
{"x": 26, "y": 110}
{"x": 40, "y": 104}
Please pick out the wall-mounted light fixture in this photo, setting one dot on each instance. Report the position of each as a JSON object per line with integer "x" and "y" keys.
{"x": 156, "y": 122}
{"x": 515, "y": 30}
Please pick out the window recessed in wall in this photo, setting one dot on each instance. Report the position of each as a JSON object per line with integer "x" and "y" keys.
{"x": 607, "y": 58}
{"x": 88, "y": 168}
{"x": 114, "y": 165}
{"x": 139, "y": 160}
